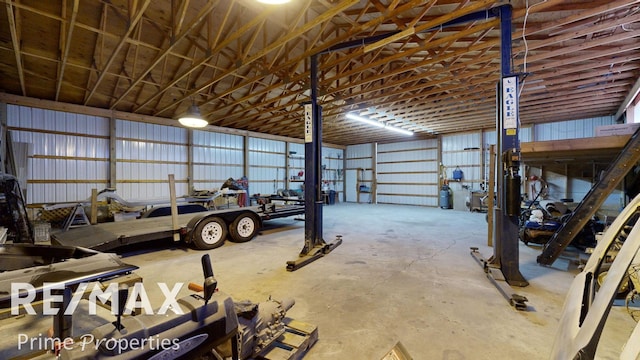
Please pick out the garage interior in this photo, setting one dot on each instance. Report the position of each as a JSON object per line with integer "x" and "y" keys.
{"x": 383, "y": 123}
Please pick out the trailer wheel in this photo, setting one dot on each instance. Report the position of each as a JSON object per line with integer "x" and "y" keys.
{"x": 210, "y": 233}
{"x": 244, "y": 228}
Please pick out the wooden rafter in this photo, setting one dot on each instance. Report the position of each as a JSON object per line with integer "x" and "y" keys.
{"x": 14, "y": 28}
{"x": 174, "y": 41}
{"x": 247, "y": 65}
{"x": 136, "y": 17}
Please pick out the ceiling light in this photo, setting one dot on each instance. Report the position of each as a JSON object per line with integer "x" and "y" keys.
{"x": 274, "y": 2}
{"x": 399, "y": 130}
{"x": 365, "y": 120}
{"x": 193, "y": 118}
{"x": 379, "y": 124}
{"x": 398, "y": 120}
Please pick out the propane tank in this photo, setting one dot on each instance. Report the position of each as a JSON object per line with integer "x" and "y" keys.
{"x": 445, "y": 197}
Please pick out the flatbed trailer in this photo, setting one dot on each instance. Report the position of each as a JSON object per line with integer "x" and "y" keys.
{"x": 205, "y": 230}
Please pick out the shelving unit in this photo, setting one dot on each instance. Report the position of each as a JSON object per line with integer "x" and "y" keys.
{"x": 295, "y": 172}
{"x": 332, "y": 172}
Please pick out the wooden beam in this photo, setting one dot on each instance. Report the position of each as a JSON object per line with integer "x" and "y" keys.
{"x": 580, "y": 15}
{"x": 585, "y": 144}
{"x": 14, "y": 28}
{"x": 66, "y": 46}
{"x": 123, "y": 40}
{"x": 202, "y": 14}
{"x": 197, "y": 64}
{"x": 268, "y": 48}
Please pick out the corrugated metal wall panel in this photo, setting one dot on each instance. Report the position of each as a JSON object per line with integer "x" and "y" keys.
{"x": 573, "y": 129}
{"x": 407, "y": 173}
{"x": 296, "y": 165}
{"x": 400, "y": 196}
{"x": 464, "y": 152}
{"x": 216, "y": 157}
{"x": 359, "y": 162}
{"x": 526, "y": 134}
{"x": 333, "y": 172}
{"x": 68, "y": 152}
{"x": 267, "y": 165}
{"x": 69, "y": 156}
{"x": 423, "y": 177}
{"x": 298, "y": 148}
{"x": 146, "y": 154}
{"x": 420, "y": 201}
{"x": 359, "y": 151}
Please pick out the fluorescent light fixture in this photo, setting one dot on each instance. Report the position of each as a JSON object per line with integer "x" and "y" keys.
{"x": 379, "y": 124}
{"x": 399, "y": 130}
{"x": 365, "y": 120}
{"x": 193, "y": 118}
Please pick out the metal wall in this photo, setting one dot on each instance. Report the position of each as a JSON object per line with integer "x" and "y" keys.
{"x": 296, "y": 167}
{"x": 145, "y": 156}
{"x": 216, "y": 157}
{"x": 275, "y": 165}
{"x": 398, "y": 172}
{"x": 573, "y": 129}
{"x": 68, "y": 153}
{"x": 464, "y": 152}
{"x": 359, "y": 169}
{"x": 267, "y": 165}
{"x": 333, "y": 170}
{"x": 407, "y": 173}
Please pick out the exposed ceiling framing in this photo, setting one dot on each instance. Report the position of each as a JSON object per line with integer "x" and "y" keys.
{"x": 247, "y": 64}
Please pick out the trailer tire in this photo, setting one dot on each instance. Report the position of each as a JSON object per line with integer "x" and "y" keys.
{"x": 210, "y": 233}
{"x": 244, "y": 228}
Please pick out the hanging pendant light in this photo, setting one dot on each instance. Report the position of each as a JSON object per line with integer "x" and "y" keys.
{"x": 193, "y": 118}
{"x": 274, "y": 2}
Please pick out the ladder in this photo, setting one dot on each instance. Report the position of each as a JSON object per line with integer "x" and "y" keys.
{"x": 610, "y": 179}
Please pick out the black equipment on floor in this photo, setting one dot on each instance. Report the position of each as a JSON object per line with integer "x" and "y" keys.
{"x": 13, "y": 213}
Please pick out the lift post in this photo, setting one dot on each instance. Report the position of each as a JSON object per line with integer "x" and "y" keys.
{"x": 314, "y": 245}
{"x": 503, "y": 267}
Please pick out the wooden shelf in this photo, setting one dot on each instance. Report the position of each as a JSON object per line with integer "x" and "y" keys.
{"x": 555, "y": 155}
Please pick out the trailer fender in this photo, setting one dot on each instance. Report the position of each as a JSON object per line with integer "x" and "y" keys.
{"x": 191, "y": 225}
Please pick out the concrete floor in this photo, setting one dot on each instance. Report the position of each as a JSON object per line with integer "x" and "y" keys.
{"x": 402, "y": 274}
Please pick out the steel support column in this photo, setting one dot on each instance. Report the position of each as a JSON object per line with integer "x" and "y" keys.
{"x": 503, "y": 267}
{"x": 314, "y": 244}
{"x": 506, "y": 252}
